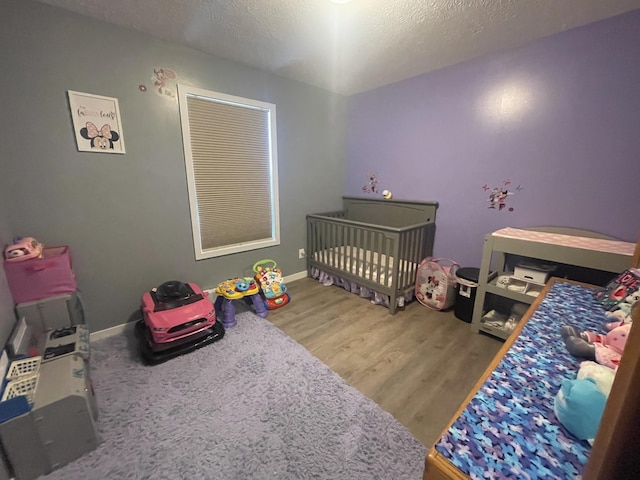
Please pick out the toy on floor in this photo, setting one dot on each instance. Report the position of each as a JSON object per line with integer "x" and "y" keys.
{"x": 604, "y": 349}
{"x": 234, "y": 289}
{"x": 273, "y": 289}
{"x": 177, "y": 318}
{"x": 436, "y": 283}
{"x": 23, "y": 248}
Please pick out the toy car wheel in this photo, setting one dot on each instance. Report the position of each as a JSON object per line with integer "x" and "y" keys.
{"x": 143, "y": 335}
{"x": 219, "y": 329}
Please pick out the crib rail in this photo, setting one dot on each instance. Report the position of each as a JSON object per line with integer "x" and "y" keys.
{"x": 336, "y": 214}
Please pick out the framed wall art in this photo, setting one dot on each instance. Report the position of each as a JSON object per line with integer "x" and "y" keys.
{"x": 96, "y": 123}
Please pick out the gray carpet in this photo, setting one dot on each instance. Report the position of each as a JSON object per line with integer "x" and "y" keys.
{"x": 255, "y": 405}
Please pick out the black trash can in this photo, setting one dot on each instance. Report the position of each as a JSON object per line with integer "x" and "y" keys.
{"x": 466, "y": 293}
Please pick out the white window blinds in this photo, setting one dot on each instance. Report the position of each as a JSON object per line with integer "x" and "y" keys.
{"x": 230, "y": 157}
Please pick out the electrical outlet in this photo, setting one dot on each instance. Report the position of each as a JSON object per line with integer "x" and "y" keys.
{"x": 301, "y": 253}
{"x": 210, "y": 292}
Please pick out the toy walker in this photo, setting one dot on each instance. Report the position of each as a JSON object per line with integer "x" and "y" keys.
{"x": 234, "y": 289}
{"x": 177, "y": 318}
{"x": 273, "y": 289}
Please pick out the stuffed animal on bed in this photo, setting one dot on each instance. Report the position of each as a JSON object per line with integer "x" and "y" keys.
{"x": 579, "y": 406}
{"x": 580, "y": 403}
{"x": 603, "y": 376}
{"x": 604, "y": 349}
{"x": 622, "y": 312}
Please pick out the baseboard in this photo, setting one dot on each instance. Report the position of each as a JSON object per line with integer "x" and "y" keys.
{"x": 108, "y": 332}
{"x": 295, "y": 276}
{"x": 118, "y": 329}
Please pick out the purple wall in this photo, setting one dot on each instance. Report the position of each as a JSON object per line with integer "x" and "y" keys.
{"x": 559, "y": 117}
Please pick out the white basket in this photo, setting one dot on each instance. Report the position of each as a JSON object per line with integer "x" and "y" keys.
{"x": 25, "y": 385}
{"x": 20, "y": 368}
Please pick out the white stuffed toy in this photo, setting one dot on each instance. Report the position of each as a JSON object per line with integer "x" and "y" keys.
{"x": 602, "y": 375}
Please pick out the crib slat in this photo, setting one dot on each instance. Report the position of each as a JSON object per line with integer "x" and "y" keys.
{"x": 347, "y": 247}
{"x": 327, "y": 245}
{"x": 375, "y": 257}
{"x": 355, "y": 249}
{"x": 417, "y": 252}
{"x": 365, "y": 253}
{"x": 358, "y": 250}
{"x": 345, "y": 242}
{"x": 372, "y": 249}
{"x": 384, "y": 266}
{"x": 334, "y": 243}
{"x": 387, "y": 269}
{"x": 311, "y": 238}
{"x": 402, "y": 253}
{"x": 406, "y": 262}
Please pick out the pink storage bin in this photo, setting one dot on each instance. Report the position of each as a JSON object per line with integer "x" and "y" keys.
{"x": 38, "y": 278}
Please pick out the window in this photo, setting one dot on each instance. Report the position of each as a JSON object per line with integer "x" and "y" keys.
{"x": 231, "y": 163}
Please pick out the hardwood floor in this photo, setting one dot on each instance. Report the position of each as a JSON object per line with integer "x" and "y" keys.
{"x": 417, "y": 365}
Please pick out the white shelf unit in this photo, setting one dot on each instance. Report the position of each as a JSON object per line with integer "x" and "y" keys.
{"x": 604, "y": 254}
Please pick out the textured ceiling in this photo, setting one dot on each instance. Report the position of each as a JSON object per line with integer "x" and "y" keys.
{"x": 352, "y": 47}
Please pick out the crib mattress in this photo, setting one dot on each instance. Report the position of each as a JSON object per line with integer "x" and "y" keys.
{"x": 362, "y": 263}
{"x": 509, "y": 429}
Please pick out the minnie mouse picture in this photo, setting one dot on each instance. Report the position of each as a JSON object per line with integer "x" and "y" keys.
{"x": 101, "y": 139}
{"x": 97, "y": 123}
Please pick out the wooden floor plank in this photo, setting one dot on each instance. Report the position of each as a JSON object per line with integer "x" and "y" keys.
{"x": 418, "y": 364}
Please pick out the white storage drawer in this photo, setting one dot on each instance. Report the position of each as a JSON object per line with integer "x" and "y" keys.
{"x": 533, "y": 273}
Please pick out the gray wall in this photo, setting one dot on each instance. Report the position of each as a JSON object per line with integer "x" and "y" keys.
{"x": 126, "y": 217}
{"x": 7, "y": 315}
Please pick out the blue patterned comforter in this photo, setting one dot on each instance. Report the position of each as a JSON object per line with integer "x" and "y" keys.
{"x": 509, "y": 430}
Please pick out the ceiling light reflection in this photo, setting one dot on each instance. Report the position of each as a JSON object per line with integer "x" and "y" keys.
{"x": 506, "y": 103}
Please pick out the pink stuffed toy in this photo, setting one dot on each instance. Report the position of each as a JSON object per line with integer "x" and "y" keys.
{"x": 604, "y": 349}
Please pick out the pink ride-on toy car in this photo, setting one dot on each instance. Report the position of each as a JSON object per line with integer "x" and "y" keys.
{"x": 177, "y": 318}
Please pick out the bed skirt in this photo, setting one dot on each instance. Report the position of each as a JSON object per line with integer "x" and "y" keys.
{"x": 376, "y": 298}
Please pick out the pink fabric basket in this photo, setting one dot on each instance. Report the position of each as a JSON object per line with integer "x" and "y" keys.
{"x": 39, "y": 278}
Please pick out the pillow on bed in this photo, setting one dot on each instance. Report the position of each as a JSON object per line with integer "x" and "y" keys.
{"x": 621, "y": 291}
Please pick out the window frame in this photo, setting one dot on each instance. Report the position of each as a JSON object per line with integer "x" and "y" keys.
{"x": 185, "y": 91}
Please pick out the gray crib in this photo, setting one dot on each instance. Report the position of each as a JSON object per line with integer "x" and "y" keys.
{"x": 374, "y": 242}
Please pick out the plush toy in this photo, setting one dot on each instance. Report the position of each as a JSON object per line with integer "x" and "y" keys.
{"x": 622, "y": 313}
{"x": 23, "y": 248}
{"x": 604, "y": 349}
{"x": 579, "y": 406}
{"x": 603, "y": 376}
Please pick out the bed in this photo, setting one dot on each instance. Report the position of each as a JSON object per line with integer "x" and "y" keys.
{"x": 372, "y": 246}
{"x": 509, "y": 428}
{"x": 506, "y": 427}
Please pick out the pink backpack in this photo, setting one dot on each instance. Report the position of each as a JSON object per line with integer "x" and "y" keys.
{"x": 436, "y": 283}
